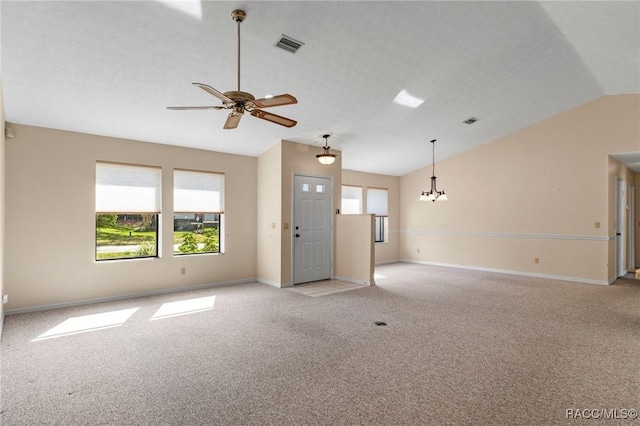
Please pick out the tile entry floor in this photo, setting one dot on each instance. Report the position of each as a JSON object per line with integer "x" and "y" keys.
{"x": 325, "y": 287}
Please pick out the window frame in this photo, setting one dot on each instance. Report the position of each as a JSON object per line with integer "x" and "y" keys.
{"x": 176, "y": 251}
{"x": 381, "y": 220}
{"x": 106, "y": 203}
{"x": 361, "y": 199}
{"x": 183, "y": 209}
{"x": 380, "y": 228}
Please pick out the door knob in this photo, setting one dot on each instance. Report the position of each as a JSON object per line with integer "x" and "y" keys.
{"x": 297, "y": 235}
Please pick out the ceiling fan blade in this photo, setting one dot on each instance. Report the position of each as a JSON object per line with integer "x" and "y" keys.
{"x": 195, "y": 107}
{"x": 283, "y": 121}
{"x": 275, "y": 101}
{"x": 213, "y": 91}
{"x": 232, "y": 120}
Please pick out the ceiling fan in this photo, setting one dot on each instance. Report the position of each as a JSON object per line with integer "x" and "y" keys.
{"x": 239, "y": 102}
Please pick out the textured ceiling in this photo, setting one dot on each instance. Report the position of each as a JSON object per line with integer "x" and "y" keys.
{"x": 111, "y": 68}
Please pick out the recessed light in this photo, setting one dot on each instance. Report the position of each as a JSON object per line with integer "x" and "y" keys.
{"x": 406, "y": 99}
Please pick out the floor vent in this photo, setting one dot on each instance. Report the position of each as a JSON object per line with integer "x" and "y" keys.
{"x": 289, "y": 44}
{"x": 380, "y": 323}
{"x": 470, "y": 120}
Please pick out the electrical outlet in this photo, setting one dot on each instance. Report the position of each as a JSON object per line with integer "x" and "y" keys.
{"x": 5, "y": 298}
{"x": 536, "y": 260}
{"x": 597, "y": 225}
{"x": 418, "y": 251}
{"x": 183, "y": 271}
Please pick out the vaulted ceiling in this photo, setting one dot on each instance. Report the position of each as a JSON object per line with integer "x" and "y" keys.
{"x": 112, "y": 68}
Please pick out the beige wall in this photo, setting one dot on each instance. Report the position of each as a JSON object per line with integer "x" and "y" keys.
{"x": 269, "y": 225}
{"x": 276, "y": 168}
{"x": 301, "y": 159}
{"x": 524, "y": 196}
{"x": 50, "y": 219}
{"x": 636, "y": 223}
{"x": 388, "y": 251}
{"x": 536, "y": 193}
{"x": 2, "y": 205}
{"x": 355, "y": 248}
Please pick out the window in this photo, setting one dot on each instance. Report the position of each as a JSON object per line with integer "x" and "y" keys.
{"x": 198, "y": 212}
{"x": 377, "y": 204}
{"x": 351, "y": 199}
{"x": 127, "y": 211}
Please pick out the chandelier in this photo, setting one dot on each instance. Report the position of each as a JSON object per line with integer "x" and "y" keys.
{"x": 433, "y": 194}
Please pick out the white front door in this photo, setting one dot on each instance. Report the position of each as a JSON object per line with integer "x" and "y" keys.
{"x": 312, "y": 231}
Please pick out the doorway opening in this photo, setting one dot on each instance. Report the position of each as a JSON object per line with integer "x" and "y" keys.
{"x": 620, "y": 229}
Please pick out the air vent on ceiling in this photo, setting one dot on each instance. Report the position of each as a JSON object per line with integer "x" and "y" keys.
{"x": 289, "y": 44}
{"x": 470, "y": 120}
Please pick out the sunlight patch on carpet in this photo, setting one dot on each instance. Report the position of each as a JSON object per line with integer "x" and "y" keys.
{"x": 87, "y": 323}
{"x": 184, "y": 307}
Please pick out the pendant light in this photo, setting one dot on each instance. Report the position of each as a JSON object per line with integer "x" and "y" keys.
{"x": 433, "y": 194}
{"x": 326, "y": 158}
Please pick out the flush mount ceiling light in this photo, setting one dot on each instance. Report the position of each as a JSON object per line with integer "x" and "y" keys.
{"x": 433, "y": 194}
{"x": 406, "y": 99}
{"x": 326, "y": 157}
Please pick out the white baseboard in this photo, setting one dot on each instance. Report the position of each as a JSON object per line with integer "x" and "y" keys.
{"x": 274, "y": 283}
{"x": 508, "y": 271}
{"x": 353, "y": 280}
{"x": 125, "y": 296}
{"x": 384, "y": 262}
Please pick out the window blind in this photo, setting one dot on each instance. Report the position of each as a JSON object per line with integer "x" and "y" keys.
{"x": 198, "y": 192}
{"x": 351, "y": 199}
{"x": 123, "y": 188}
{"x": 377, "y": 202}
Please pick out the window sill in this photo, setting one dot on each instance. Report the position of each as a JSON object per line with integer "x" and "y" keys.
{"x": 125, "y": 259}
{"x": 196, "y": 254}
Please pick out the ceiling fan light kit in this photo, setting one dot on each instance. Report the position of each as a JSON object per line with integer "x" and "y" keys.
{"x": 239, "y": 102}
{"x": 326, "y": 157}
{"x": 433, "y": 194}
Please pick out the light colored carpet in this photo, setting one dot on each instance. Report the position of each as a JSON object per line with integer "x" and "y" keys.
{"x": 460, "y": 348}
